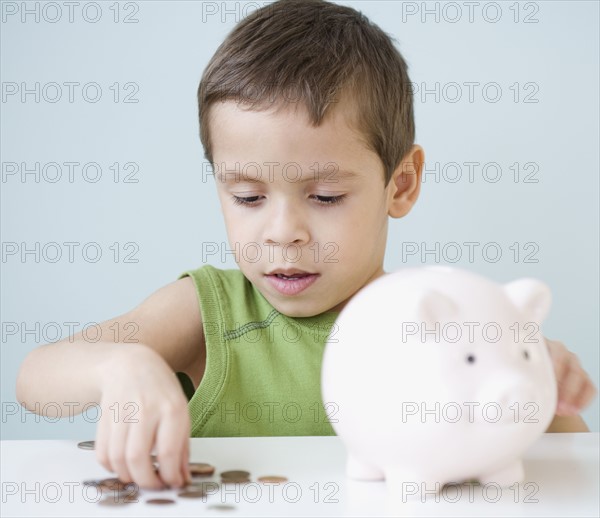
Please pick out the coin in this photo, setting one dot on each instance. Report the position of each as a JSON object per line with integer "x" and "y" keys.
{"x": 201, "y": 469}
{"x": 221, "y": 507}
{"x": 160, "y": 501}
{"x": 235, "y": 474}
{"x": 114, "y": 484}
{"x": 86, "y": 445}
{"x": 272, "y": 479}
{"x": 202, "y": 486}
{"x": 192, "y": 494}
{"x": 130, "y": 492}
{"x": 110, "y": 501}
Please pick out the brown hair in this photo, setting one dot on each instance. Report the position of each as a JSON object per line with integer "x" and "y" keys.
{"x": 318, "y": 49}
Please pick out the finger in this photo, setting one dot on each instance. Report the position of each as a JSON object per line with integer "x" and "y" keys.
{"x": 102, "y": 440}
{"x": 586, "y": 394}
{"x": 185, "y": 454}
{"x": 117, "y": 447}
{"x": 185, "y": 462}
{"x": 559, "y": 355}
{"x": 169, "y": 445}
{"x": 568, "y": 390}
{"x": 139, "y": 445}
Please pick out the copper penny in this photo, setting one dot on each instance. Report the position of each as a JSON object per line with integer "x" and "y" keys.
{"x": 160, "y": 501}
{"x": 192, "y": 494}
{"x": 114, "y": 484}
{"x": 110, "y": 501}
{"x": 235, "y": 474}
{"x": 272, "y": 479}
{"x": 201, "y": 469}
{"x": 86, "y": 445}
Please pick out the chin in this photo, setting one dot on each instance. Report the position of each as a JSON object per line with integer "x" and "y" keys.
{"x": 298, "y": 312}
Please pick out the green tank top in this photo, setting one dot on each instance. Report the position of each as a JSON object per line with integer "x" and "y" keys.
{"x": 263, "y": 368}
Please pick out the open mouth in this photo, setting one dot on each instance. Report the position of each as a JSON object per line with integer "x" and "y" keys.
{"x": 292, "y": 277}
{"x": 292, "y": 284}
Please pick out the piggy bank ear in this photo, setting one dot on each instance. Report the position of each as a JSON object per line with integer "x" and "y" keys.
{"x": 531, "y": 297}
{"x": 434, "y": 306}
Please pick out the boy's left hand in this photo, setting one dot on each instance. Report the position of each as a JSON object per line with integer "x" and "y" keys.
{"x": 575, "y": 389}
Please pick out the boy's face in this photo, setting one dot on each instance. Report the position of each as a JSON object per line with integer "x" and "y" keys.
{"x": 287, "y": 223}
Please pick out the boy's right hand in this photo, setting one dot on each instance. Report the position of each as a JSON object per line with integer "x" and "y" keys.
{"x": 143, "y": 406}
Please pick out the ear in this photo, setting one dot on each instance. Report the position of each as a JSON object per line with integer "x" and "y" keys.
{"x": 405, "y": 183}
{"x": 434, "y": 307}
{"x": 532, "y": 297}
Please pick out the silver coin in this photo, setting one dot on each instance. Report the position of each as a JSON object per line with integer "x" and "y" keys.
{"x": 201, "y": 486}
{"x": 86, "y": 445}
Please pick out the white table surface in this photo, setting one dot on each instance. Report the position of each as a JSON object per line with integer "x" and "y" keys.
{"x": 44, "y": 478}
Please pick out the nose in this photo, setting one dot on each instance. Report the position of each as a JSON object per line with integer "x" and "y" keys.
{"x": 510, "y": 395}
{"x": 286, "y": 224}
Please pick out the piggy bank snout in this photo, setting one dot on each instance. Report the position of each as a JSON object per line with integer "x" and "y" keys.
{"x": 505, "y": 398}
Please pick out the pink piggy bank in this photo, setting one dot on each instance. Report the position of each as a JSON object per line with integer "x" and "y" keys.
{"x": 440, "y": 376}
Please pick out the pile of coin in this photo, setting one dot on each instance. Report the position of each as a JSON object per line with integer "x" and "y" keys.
{"x": 117, "y": 492}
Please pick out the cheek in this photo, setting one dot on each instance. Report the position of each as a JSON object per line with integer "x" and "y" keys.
{"x": 238, "y": 227}
{"x": 234, "y": 225}
{"x": 365, "y": 222}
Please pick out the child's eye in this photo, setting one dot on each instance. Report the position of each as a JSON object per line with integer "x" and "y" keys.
{"x": 323, "y": 200}
{"x": 330, "y": 200}
{"x": 251, "y": 200}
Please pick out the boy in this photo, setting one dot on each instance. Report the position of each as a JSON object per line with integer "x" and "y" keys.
{"x": 306, "y": 115}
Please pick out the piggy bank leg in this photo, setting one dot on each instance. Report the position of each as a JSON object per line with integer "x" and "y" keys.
{"x": 506, "y": 476}
{"x": 359, "y": 470}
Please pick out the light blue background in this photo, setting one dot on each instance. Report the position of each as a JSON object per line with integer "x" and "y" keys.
{"x": 171, "y": 211}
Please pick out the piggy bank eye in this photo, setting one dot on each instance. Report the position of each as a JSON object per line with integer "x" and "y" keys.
{"x": 526, "y": 355}
{"x": 471, "y": 358}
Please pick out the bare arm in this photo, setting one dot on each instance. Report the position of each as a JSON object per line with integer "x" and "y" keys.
{"x": 168, "y": 322}
{"x": 128, "y": 368}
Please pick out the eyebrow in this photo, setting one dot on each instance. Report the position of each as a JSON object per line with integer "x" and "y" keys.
{"x": 345, "y": 174}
